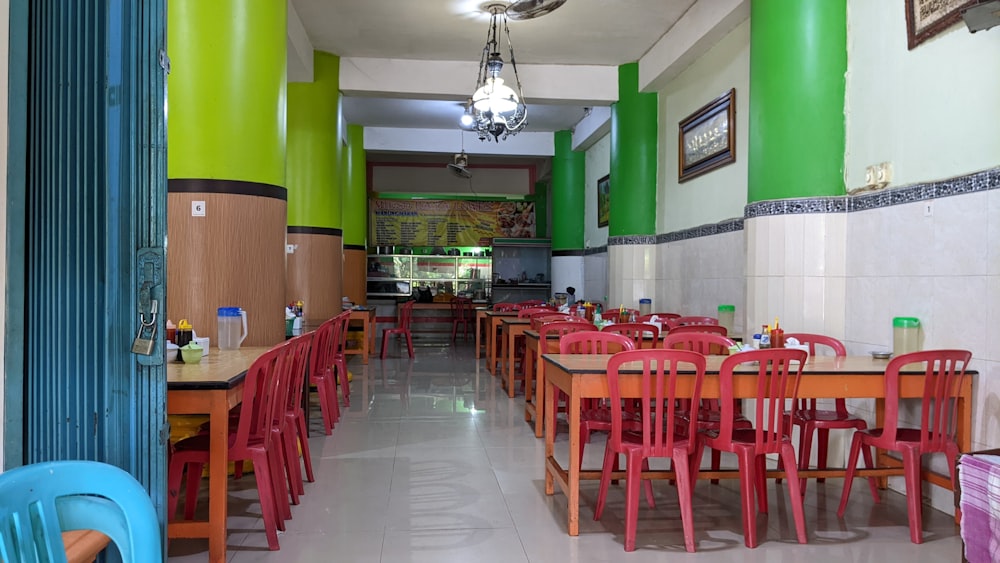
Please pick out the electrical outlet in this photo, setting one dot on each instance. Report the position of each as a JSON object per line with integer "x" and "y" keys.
{"x": 929, "y": 208}
{"x": 870, "y": 176}
{"x": 883, "y": 173}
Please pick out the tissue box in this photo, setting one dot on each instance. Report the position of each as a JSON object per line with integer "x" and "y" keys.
{"x": 203, "y": 342}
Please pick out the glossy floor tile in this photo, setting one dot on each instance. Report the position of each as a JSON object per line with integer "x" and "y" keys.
{"x": 433, "y": 463}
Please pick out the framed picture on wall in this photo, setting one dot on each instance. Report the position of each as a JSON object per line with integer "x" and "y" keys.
{"x": 603, "y": 207}
{"x": 706, "y": 139}
{"x": 927, "y": 18}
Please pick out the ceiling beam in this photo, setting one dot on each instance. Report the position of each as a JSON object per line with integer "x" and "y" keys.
{"x": 393, "y": 139}
{"x": 456, "y": 80}
{"x": 698, "y": 30}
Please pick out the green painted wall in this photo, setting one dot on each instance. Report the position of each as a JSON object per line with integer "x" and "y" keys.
{"x": 541, "y": 210}
{"x": 356, "y": 187}
{"x": 633, "y": 158}
{"x": 227, "y": 90}
{"x": 314, "y": 147}
{"x": 798, "y": 57}
{"x": 568, "y": 177}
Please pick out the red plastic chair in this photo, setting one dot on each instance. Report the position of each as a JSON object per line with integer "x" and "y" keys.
{"x": 531, "y": 303}
{"x": 539, "y": 319}
{"x": 706, "y": 328}
{"x": 321, "y": 374}
{"x": 692, "y": 320}
{"x": 595, "y": 415}
{"x": 709, "y": 413}
{"x": 261, "y": 405}
{"x": 944, "y": 371}
{"x": 657, "y": 434}
{"x": 403, "y": 328}
{"x": 461, "y": 314}
{"x": 294, "y": 432}
{"x": 642, "y": 335}
{"x": 777, "y": 382}
{"x": 339, "y": 357}
{"x": 813, "y": 420}
{"x": 659, "y": 316}
{"x": 505, "y": 307}
{"x": 526, "y": 312}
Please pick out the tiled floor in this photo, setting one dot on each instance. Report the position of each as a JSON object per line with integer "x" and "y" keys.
{"x": 434, "y": 464}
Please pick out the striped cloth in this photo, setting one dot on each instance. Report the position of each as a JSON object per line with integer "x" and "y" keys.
{"x": 979, "y": 480}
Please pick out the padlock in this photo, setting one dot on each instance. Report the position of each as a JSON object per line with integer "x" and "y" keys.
{"x": 142, "y": 345}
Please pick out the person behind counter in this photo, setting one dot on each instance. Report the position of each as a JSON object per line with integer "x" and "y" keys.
{"x": 570, "y": 295}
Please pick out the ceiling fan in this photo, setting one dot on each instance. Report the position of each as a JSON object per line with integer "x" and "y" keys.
{"x": 459, "y": 165}
{"x": 530, "y": 9}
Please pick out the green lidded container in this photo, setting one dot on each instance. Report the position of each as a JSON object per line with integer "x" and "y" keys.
{"x": 905, "y": 335}
{"x": 727, "y": 316}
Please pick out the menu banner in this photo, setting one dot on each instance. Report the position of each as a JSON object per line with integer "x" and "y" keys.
{"x": 424, "y": 222}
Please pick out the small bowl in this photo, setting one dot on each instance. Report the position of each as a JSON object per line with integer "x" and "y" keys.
{"x": 877, "y": 355}
{"x": 191, "y": 354}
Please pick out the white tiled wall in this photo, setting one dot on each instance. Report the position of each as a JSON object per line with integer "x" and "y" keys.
{"x": 695, "y": 276}
{"x": 631, "y": 271}
{"x": 595, "y": 277}
{"x": 854, "y": 272}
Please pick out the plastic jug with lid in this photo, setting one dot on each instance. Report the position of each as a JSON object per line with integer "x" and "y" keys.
{"x": 232, "y": 327}
{"x": 727, "y": 318}
{"x": 905, "y": 335}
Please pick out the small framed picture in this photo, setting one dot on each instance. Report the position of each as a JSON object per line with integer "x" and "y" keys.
{"x": 603, "y": 207}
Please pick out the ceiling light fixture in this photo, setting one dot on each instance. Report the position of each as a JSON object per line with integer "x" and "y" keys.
{"x": 495, "y": 109}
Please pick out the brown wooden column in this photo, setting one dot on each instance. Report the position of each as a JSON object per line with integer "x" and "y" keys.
{"x": 313, "y": 271}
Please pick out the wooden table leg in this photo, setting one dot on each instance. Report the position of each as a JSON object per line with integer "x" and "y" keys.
{"x": 541, "y": 394}
{"x": 573, "y": 416}
{"x": 550, "y": 436}
{"x": 218, "y": 477}
{"x": 479, "y": 319}
{"x": 529, "y": 380}
{"x": 509, "y": 338}
{"x": 491, "y": 344}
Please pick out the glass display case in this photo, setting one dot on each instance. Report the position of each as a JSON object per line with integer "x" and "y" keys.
{"x": 401, "y": 275}
{"x": 522, "y": 269}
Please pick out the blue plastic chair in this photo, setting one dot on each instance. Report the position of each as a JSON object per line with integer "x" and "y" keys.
{"x": 40, "y": 501}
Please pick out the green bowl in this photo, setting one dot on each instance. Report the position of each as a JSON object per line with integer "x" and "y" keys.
{"x": 191, "y": 355}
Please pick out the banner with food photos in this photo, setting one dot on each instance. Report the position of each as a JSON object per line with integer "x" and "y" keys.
{"x": 423, "y": 222}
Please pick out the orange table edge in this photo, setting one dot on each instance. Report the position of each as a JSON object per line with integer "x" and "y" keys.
{"x": 584, "y": 376}
{"x": 512, "y": 328}
{"x": 211, "y": 387}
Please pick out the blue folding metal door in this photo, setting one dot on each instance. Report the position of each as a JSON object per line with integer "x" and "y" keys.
{"x": 87, "y": 230}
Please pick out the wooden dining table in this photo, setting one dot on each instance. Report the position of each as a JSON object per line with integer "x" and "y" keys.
{"x": 585, "y": 376}
{"x": 510, "y": 329}
{"x": 366, "y": 319}
{"x": 212, "y": 387}
{"x": 493, "y": 319}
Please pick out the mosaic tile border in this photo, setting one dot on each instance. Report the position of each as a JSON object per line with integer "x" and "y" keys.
{"x": 631, "y": 240}
{"x": 976, "y": 182}
{"x": 603, "y": 249}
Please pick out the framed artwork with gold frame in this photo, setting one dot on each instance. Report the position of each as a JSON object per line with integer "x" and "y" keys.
{"x": 927, "y": 18}
{"x": 706, "y": 139}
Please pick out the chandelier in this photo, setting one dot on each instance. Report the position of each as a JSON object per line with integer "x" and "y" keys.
{"x": 495, "y": 110}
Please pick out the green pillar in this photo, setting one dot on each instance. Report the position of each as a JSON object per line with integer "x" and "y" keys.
{"x": 568, "y": 195}
{"x": 633, "y": 158}
{"x": 798, "y": 57}
{"x": 356, "y": 188}
{"x": 227, "y": 90}
{"x": 314, "y": 147}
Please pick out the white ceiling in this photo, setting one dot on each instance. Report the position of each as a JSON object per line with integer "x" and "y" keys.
{"x": 580, "y": 32}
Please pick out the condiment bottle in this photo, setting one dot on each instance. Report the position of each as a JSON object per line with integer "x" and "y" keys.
{"x": 185, "y": 332}
{"x": 765, "y": 337}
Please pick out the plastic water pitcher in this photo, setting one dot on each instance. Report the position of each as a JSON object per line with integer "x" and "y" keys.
{"x": 232, "y": 327}
{"x": 905, "y": 335}
{"x": 727, "y": 318}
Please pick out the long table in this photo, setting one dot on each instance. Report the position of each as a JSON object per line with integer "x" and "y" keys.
{"x": 493, "y": 319}
{"x": 366, "y": 317}
{"x": 210, "y": 387}
{"x": 510, "y": 329}
{"x": 585, "y": 376}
